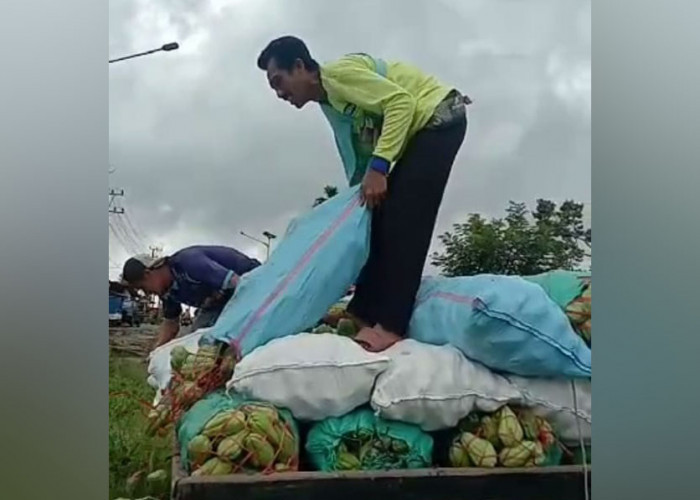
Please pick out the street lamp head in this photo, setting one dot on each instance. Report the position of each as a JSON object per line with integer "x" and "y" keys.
{"x": 170, "y": 46}
{"x": 269, "y": 235}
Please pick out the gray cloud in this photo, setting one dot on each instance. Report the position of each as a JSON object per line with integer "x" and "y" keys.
{"x": 204, "y": 150}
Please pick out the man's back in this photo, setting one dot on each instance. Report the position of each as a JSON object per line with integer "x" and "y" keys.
{"x": 230, "y": 258}
{"x": 202, "y": 270}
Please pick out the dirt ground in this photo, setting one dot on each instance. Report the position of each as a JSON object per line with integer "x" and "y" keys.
{"x": 132, "y": 341}
{"x": 135, "y": 341}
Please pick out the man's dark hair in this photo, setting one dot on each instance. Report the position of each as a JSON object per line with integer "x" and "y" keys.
{"x": 285, "y": 51}
{"x": 133, "y": 271}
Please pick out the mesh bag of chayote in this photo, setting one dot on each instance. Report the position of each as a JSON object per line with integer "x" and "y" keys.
{"x": 226, "y": 434}
{"x": 337, "y": 320}
{"x": 193, "y": 375}
{"x": 579, "y": 313}
{"x": 571, "y": 290}
{"x": 344, "y": 327}
{"x": 362, "y": 441}
{"x": 506, "y": 438}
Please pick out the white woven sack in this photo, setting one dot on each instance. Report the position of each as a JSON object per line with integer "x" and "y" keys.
{"x": 159, "y": 370}
{"x": 315, "y": 376}
{"x": 554, "y": 400}
{"x": 436, "y": 386}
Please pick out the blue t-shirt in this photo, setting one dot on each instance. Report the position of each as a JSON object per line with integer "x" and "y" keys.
{"x": 201, "y": 271}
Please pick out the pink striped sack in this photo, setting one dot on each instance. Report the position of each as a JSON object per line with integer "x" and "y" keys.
{"x": 319, "y": 258}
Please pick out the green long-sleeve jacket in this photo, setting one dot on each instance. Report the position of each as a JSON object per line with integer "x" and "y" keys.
{"x": 387, "y": 105}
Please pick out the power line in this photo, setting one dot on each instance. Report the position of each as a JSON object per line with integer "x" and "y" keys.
{"x": 114, "y": 210}
{"x": 135, "y": 244}
{"x": 131, "y": 228}
{"x": 122, "y": 237}
{"x": 118, "y": 237}
{"x": 119, "y": 223}
{"x": 141, "y": 242}
{"x": 134, "y": 228}
{"x": 125, "y": 231}
{"x": 123, "y": 241}
{"x": 126, "y": 245}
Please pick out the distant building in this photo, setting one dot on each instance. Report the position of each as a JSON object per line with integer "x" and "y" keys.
{"x": 145, "y": 306}
{"x": 118, "y": 293}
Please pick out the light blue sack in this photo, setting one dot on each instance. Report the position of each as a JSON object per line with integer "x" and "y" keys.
{"x": 319, "y": 258}
{"x": 504, "y": 322}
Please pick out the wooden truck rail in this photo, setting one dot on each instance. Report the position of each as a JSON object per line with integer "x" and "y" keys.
{"x": 546, "y": 483}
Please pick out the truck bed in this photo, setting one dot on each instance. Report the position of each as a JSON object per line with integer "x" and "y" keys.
{"x": 555, "y": 483}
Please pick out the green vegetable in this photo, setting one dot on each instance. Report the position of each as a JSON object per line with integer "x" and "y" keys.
{"x": 177, "y": 357}
{"x": 199, "y": 449}
{"x": 509, "y": 430}
{"x": 323, "y": 329}
{"x": 346, "y": 328}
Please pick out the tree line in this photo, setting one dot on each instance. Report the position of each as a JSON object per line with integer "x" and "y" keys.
{"x": 524, "y": 242}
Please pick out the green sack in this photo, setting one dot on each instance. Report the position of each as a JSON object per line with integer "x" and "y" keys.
{"x": 553, "y": 456}
{"x": 577, "y": 458}
{"x": 196, "y": 418}
{"x": 362, "y": 441}
{"x": 561, "y": 286}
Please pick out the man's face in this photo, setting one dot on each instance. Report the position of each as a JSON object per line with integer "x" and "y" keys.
{"x": 292, "y": 86}
{"x": 151, "y": 283}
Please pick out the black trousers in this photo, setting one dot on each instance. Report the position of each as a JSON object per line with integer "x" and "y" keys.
{"x": 205, "y": 318}
{"x": 402, "y": 228}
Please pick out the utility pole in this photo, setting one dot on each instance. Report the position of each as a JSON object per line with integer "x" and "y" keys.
{"x": 153, "y": 299}
{"x": 156, "y": 252}
{"x": 114, "y": 193}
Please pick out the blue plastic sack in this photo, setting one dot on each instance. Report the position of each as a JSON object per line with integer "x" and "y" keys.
{"x": 562, "y": 286}
{"x": 319, "y": 258}
{"x": 504, "y": 322}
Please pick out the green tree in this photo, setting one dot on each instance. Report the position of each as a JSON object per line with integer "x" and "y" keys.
{"x": 521, "y": 243}
{"x": 328, "y": 193}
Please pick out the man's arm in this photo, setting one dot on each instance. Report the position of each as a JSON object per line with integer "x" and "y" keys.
{"x": 169, "y": 329}
{"x": 170, "y": 326}
{"x": 354, "y": 82}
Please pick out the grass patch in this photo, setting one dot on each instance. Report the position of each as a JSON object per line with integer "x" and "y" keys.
{"x": 130, "y": 449}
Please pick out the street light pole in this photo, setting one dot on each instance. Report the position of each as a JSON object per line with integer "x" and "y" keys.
{"x": 266, "y": 244}
{"x": 165, "y": 48}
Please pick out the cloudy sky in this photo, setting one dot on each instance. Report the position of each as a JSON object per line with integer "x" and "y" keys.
{"x": 204, "y": 150}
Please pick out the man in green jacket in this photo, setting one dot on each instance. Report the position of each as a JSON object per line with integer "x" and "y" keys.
{"x": 398, "y": 131}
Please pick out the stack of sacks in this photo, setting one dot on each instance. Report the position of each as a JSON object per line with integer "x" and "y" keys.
{"x": 319, "y": 376}
{"x": 435, "y": 387}
{"x": 315, "y": 376}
